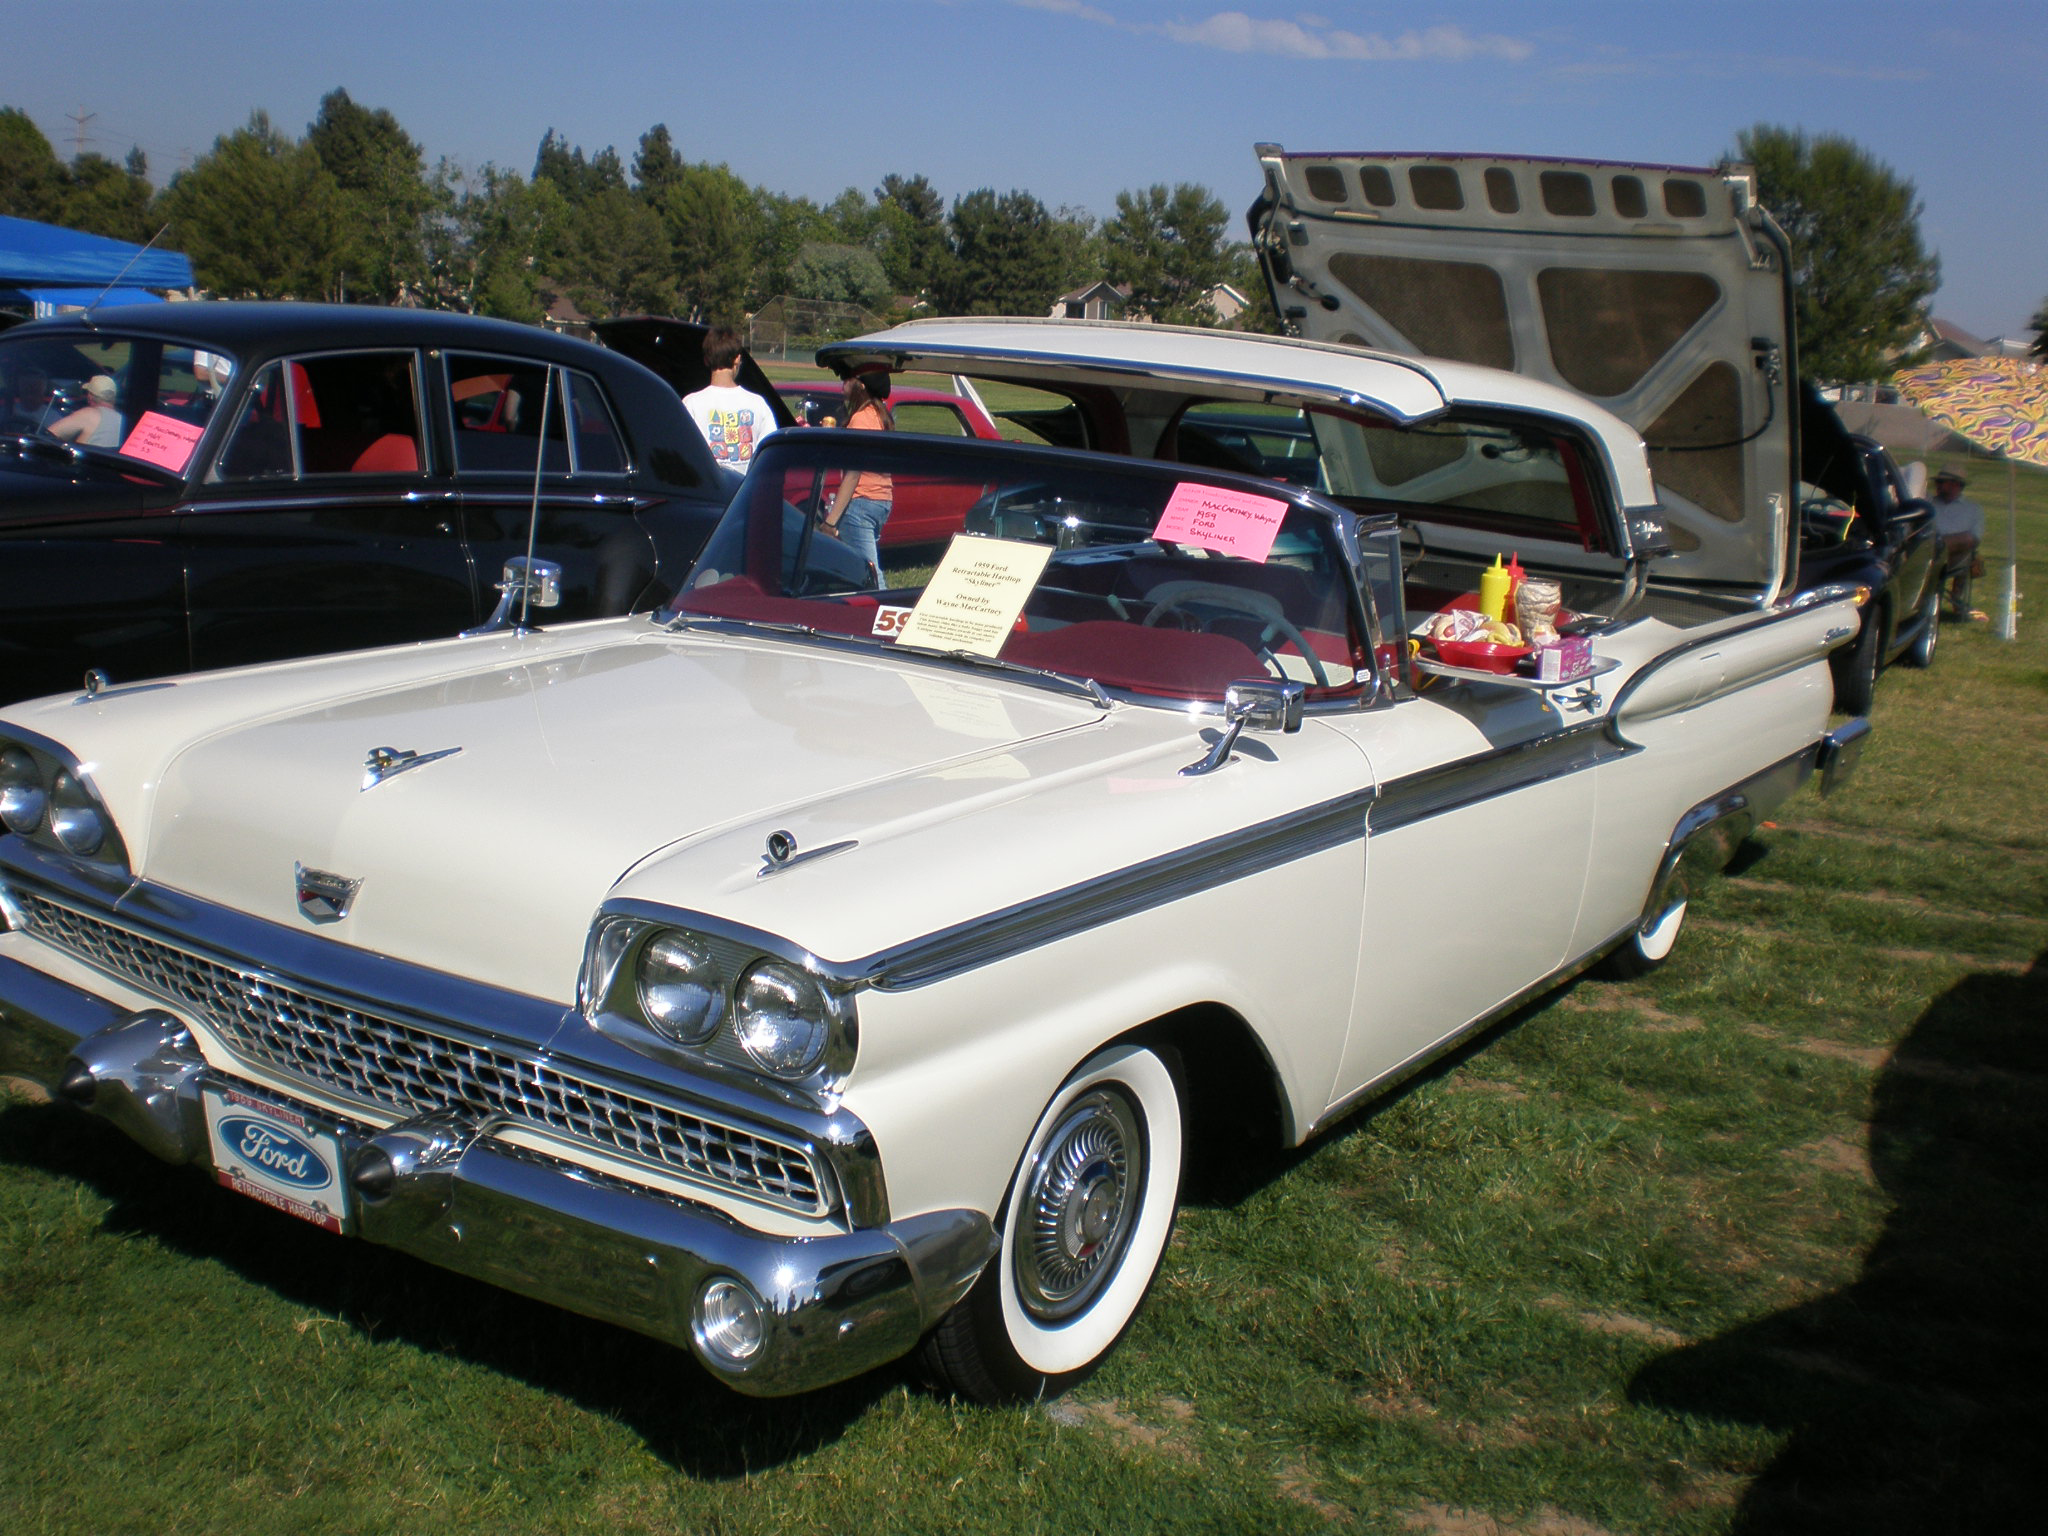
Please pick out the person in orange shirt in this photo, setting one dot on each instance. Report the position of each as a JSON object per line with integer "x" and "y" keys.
{"x": 861, "y": 505}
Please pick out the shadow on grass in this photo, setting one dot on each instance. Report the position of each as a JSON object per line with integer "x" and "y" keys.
{"x": 685, "y": 1416}
{"x": 1916, "y": 1398}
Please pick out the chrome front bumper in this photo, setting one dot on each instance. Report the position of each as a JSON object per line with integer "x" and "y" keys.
{"x": 440, "y": 1188}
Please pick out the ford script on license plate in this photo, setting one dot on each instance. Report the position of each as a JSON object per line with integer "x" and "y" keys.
{"x": 275, "y": 1154}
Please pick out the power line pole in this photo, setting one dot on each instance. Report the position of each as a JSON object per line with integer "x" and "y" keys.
{"x": 79, "y": 119}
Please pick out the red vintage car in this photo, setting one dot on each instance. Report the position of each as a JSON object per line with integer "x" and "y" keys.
{"x": 924, "y": 511}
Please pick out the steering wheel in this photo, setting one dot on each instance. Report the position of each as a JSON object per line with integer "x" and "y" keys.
{"x": 1189, "y": 597}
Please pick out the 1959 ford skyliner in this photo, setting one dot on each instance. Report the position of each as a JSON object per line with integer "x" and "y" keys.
{"x": 844, "y": 961}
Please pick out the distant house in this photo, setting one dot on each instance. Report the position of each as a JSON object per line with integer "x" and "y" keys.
{"x": 1946, "y": 341}
{"x": 566, "y": 319}
{"x": 1227, "y": 303}
{"x": 1097, "y": 301}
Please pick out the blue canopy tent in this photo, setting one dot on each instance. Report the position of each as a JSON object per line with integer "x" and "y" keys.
{"x": 48, "y": 269}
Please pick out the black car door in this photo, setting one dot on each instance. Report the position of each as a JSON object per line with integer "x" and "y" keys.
{"x": 89, "y": 571}
{"x": 583, "y": 496}
{"x": 325, "y": 523}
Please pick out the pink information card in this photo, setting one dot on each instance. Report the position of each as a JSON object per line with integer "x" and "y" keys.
{"x": 163, "y": 441}
{"x": 1230, "y": 522}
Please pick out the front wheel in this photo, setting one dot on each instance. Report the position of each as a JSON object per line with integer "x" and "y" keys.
{"x": 1084, "y": 1228}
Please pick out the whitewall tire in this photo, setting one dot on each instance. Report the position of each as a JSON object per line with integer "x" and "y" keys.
{"x": 1084, "y": 1227}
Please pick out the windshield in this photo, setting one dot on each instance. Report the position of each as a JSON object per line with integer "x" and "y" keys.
{"x": 1151, "y": 579}
{"x": 137, "y": 397}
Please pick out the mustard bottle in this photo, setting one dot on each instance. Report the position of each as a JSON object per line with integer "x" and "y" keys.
{"x": 1493, "y": 590}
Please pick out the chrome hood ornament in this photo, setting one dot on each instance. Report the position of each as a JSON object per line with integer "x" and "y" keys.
{"x": 389, "y": 762}
{"x": 324, "y": 897}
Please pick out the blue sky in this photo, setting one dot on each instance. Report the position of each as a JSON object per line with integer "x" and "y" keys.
{"x": 1075, "y": 100}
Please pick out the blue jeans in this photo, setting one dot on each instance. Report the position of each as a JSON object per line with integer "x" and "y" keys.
{"x": 860, "y": 529}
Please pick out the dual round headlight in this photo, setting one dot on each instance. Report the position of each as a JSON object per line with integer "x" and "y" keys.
{"x": 781, "y": 1014}
{"x": 76, "y": 819}
{"x": 22, "y": 795}
{"x": 681, "y": 990}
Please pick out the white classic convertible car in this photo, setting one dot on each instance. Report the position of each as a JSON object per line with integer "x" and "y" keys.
{"x": 844, "y": 962}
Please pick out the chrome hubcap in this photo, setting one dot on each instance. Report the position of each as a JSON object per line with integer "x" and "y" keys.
{"x": 1079, "y": 1205}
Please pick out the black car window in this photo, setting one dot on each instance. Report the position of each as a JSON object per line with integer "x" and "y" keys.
{"x": 599, "y": 448}
{"x": 497, "y": 402}
{"x": 351, "y": 413}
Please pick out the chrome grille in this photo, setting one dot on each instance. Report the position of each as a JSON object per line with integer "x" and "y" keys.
{"x": 411, "y": 1069}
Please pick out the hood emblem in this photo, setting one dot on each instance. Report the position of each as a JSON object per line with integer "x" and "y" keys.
{"x": 389, "y": 762}
{"x": 782, "y": 852}
{"x": 324, "y": 897}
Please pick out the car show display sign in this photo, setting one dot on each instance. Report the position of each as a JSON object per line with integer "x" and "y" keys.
{"x": 974, "y": 597}
{"x": 1229, "y": 522}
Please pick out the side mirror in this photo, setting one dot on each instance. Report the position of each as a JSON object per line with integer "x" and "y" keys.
{"x": 1264, "y": 704}
{"x": 527, "y": 583}
{"x": 1647, "y": 537}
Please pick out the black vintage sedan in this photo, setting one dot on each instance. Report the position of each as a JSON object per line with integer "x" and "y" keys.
{"x": 185, "y": 486}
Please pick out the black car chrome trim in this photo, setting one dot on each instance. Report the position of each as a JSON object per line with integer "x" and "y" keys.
{"x": 469, "y": 1016}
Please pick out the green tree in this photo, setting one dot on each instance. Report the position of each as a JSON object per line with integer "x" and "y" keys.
{"x": 839, "y": 274}
{"x": 910, "y": 233}
{"x": 615, "y": 258}
{"x": 386, "y": 197}
{"x": 1861, "y": 276}
{"x": 710, "y": 218}
{"x": 260, "y": 217}
{"x": 658, "y": 166}
{"x": 579, "y": 179}
{"x": 31, "y": 180}
{"x": 783, "y": 227}
{"x": 109, "y": 199}
{"x": 1007, "y": 256}
{"x": 1169, "y": 247}
{"x": 487, "y": 248}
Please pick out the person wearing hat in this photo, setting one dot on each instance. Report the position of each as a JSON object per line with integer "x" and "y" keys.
{"x": 96, "y": 424}
{"x": 1959, "y": 522}
{"x": 862, "y": 503}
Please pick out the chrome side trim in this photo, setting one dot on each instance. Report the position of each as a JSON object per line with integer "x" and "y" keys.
{"x": 1434, "y": 791}
{"x": 1770, "y": 616}
{"x": 1396, "y": 1075}
{"x": 1119, "y": 894}
{"x": 1202, "y": 866}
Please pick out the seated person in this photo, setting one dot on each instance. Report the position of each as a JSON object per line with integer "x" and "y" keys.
{"x": 96, "y": 424}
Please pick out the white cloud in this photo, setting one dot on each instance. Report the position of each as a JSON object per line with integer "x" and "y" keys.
{"x": 1310, "y": 37}
{"x": 1074, "y": 8}
{"x": 1307, "y": 36}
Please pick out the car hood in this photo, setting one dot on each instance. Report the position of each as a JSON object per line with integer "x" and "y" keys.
{"x": 565, "y": 773}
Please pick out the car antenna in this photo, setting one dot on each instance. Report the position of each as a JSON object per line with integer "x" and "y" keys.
{"x": 101, "y": 297}
{"x": 547, "y": 396}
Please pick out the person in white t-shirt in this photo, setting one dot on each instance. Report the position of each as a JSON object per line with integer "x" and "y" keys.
{"x": 733, "y": 420}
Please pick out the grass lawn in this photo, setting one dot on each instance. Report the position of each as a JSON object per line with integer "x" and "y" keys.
{"x": 1755, "y": 1245}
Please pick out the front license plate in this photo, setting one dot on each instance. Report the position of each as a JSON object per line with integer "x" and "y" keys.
{"x": 275, "y": 1154}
